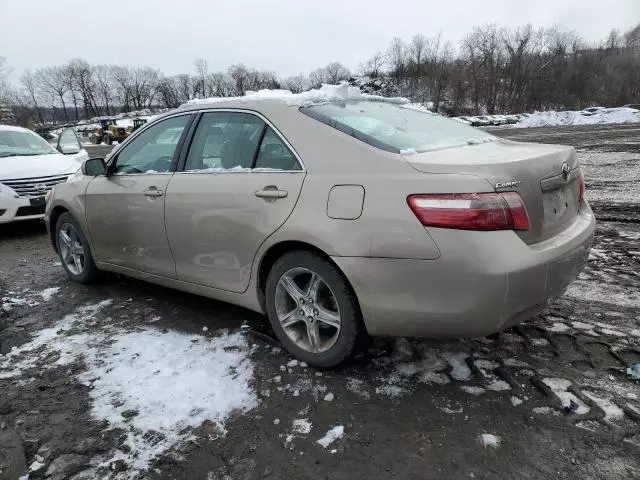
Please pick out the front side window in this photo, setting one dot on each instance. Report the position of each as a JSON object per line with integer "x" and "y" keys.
{"x": 235, "y": 141}
{"x": 225, "y": 141}
{"x": 152, "y": 150}
{"x": 23, "y": 143}
{"x": 396, "y": 128}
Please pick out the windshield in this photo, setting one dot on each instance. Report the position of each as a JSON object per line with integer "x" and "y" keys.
{"x": 396, "y": 128}
{"x": 15, "y": 143}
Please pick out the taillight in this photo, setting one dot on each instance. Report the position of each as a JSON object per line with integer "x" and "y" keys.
{"x": 471, "y": 211}
{"x": 581, "y": 187}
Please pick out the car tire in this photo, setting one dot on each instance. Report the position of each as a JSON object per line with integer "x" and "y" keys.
{"x": 68, "y": 229}
{"x": 107, "y": 139}
{"x": 336, "y": 345}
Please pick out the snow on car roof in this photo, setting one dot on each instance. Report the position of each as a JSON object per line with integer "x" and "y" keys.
{"x": 11, "y": 128}
{"x": 324, "y": 94}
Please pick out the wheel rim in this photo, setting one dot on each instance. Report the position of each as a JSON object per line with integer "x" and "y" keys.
{"x": 71, "y": 249}
{"x": 307, "y": 310}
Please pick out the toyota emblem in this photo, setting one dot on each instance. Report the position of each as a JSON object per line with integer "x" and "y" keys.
{"x": 565, "y": 171}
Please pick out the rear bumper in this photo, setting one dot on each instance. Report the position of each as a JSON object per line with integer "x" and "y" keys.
{"x": 15, "y": 209}
{"x": 482, "y": 283}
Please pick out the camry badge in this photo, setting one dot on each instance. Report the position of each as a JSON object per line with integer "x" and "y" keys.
{"x": 511, "y": 184}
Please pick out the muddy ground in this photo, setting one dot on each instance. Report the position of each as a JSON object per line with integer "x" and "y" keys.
{"x": 409, "y": 409}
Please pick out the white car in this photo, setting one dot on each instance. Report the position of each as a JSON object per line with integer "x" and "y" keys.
{"x": 30, "y": 167}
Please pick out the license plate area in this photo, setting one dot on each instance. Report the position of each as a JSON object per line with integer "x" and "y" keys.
{"x": 37, "y": 201}
{"x": 560, "y": 206}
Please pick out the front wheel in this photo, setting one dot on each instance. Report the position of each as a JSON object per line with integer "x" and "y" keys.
{"x": 73, "y": 249}
{"x": 313, "y": 310}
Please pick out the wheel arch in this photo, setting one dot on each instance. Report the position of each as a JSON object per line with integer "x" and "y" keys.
{"x": 276, "y": 250}
{"x": 53, "y": 220}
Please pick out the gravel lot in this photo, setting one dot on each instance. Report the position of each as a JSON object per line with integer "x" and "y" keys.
{"x": 93, "y": 387}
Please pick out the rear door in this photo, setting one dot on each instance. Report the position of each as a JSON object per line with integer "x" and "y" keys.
{"x": 125, "y": 209}
{"x": 239, "y": 183}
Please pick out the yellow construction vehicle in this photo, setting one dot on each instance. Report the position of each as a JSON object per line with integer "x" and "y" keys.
{"x": 109, "y": 132}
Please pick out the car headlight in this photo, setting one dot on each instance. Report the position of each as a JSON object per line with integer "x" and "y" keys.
{"x": 75, "y": 175}
{"x": 7, "y": 192}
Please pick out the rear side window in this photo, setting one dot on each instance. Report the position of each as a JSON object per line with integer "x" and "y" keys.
{"x": 396, "y": 128}
{"x": 274, "y": 154}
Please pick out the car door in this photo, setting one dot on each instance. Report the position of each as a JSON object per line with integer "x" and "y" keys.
{"x": 125, "y": 208}
{"x": 69, "y": 144}
{"x": 239, "y": 183}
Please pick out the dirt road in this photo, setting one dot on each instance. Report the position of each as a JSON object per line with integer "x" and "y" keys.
{"x": 93, "y": 388}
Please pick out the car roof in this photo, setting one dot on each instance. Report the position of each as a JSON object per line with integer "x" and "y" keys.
{"x": 13, "y": 128}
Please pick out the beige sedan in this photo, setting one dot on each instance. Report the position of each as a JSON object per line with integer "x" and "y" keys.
{"x": 337, "y": 218}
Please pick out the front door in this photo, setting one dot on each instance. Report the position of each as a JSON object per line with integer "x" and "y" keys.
{"x": 125, "y": 209}
{"x": 240, "y": 183}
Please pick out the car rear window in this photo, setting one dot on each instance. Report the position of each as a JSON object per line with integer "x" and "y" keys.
{"x": 396, "y": 128}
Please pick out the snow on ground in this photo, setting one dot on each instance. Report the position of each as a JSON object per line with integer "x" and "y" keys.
{"x": 603, "y": 292}
{"x": 560, "y": 386}
{"x": 48, "y": 293}
{"x": 611, "y": 176}
{"x": 490, "y": 440}
{"x": 611, "y": 410}
{"x": 326, "y": 93}
{"x": 554, "y": 119}
{"x": 154, "y": 386}
{"x": 331, "y": 436}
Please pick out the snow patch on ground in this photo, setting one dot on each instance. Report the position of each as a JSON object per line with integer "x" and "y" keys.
{"x": 558, "y": 327}
{"x": 48, "y": 293}
{"x": 553, "y": 118}
{"x": 603, "y": 292}
{"x": 459, "y": 369}
{"x": 490, "y": 440}
{"x": 154, "y": 386}
{"x": 331, "y": 436}
{"x": 611, "y": 411}
{"x": 559, "y": 387}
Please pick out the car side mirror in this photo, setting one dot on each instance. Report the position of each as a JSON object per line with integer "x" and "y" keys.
{"x": 94, "y": 166}
{"x": 69, "y": 149}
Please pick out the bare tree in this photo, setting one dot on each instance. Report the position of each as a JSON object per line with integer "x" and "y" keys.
{"x": 373, "y": 67}
{"x": 336, "y": 72}
{"x": 397, "y": 59}
{"x": 200, "y": 66}
{"x": 52, "y": 83}
{"x": 29, "y": 83}
{"x": 297, "y": 83}
{"x": 4, "y": 82}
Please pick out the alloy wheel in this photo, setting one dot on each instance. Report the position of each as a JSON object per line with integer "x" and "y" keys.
{"x": 71, "y": 249}
{"x": 307, "y": 310}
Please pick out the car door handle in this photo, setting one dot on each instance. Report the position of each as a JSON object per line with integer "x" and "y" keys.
{"x": 153, "y": 192}
{"x": 271, "y": 193}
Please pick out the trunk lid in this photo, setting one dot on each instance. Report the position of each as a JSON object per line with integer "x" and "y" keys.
{"x": 550, "y": 196}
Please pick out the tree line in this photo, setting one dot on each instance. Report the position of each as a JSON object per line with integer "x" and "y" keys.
{"x": 494, "y": 69}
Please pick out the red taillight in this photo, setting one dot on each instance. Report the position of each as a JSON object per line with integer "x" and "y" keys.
{"x": 581, "y": 187}
{"x": 471, "y": 211}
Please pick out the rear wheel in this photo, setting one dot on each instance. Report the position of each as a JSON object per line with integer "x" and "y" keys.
{"x": 73, "y": 249}
{"x": 107, "y": 139}
{"x": 312, "y": 309}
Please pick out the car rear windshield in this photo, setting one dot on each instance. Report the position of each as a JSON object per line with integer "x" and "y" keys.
{"x": 396, "y": 128}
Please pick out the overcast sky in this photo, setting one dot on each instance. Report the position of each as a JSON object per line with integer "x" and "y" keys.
{"x": 287, "y": 36}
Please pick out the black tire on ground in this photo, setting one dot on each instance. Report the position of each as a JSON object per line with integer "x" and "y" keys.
{"x": 107, "y": 139}
{"x": 90, "y": 271}
{"x": 352, "y": 336}
{"x": 94, "y": 139}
